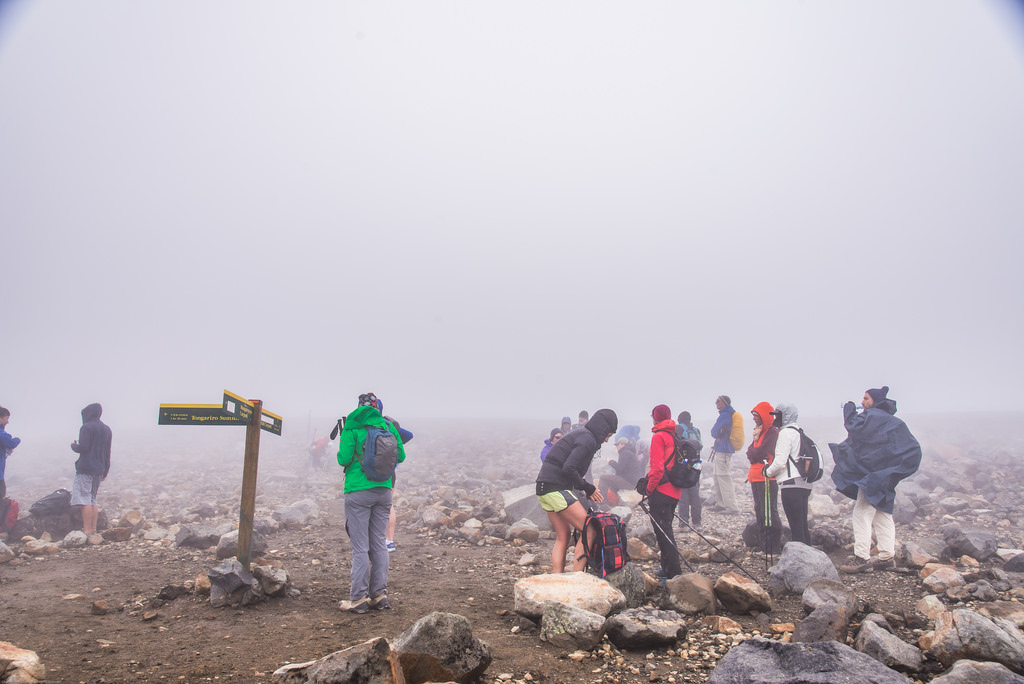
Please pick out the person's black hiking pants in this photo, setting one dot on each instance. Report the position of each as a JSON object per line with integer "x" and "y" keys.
{"x": 690, "y": 506}
{"x": 773, "y": 535}
{"x": 794, "y": 502}
{"x": 663, "y": 508}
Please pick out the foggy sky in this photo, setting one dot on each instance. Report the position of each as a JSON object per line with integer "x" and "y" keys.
{"x": 517, "y": 210}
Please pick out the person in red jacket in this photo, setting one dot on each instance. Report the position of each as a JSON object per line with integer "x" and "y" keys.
{"x": 761, "y": 453}
{"x": 663, "y": 495}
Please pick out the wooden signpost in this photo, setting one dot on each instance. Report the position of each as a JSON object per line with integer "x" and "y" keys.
{"x": 234, "y": 410}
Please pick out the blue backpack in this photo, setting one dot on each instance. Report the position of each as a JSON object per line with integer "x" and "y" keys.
{"x": 380, "y": 454}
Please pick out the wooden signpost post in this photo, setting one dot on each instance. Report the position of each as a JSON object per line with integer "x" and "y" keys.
{"x": 233, "y": 410}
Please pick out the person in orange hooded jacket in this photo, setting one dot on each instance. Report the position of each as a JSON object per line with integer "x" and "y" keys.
{"x": 663, "y": 495}
{"x": 761, "y": 453}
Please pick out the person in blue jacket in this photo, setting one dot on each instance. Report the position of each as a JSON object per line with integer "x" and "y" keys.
{"x": 7, "y": 444}
{"x": 721, "y": 455}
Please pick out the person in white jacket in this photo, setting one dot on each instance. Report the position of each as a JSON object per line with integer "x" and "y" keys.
{"x": 795, "y": 490}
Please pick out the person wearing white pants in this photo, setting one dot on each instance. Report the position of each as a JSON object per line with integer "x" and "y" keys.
{"x": 878, "y": 453}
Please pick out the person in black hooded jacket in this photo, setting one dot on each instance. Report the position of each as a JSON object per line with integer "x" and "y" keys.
{"x": 562, "y": 474}
{"x": 92, "y": 466}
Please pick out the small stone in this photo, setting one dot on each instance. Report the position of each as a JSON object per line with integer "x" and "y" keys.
{"x": 149, "y": 615}
{"x": 100, "y": 608}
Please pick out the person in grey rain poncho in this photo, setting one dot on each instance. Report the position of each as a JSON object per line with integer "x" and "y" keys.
{"x": 878, "y": 453}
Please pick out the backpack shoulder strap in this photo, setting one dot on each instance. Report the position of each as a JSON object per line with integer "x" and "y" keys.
{"x": 586, "y": 525}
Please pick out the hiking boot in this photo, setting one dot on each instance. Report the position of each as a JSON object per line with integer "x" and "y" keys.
{"x": 380, "y": 603}
{"x": 858, "y": 566}
{"x": 360, "y": 607}
{"x": 885, "y": 564}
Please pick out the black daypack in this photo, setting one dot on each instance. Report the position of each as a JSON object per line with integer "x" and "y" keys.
{"x": 808, "y": 463}
{"x": 380, "y": 454}
{"x": 54, "y": 503}
{"x": 683, "y": 467}
{"x": 610, "y": 553}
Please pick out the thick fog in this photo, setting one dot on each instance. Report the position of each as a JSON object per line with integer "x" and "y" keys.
{"x": 507, "y": 211}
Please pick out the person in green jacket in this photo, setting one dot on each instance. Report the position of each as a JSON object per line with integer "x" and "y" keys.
{"x": 367, "y": 507}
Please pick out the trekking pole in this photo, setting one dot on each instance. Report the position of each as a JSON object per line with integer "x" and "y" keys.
{"x": 655, "y": 523}
{"x": 712, "y": 545}
{"x": 769, "y": 549}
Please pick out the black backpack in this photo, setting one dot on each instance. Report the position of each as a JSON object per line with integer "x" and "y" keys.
{"x": 54, "y": 503}
{"x": 684, "y": 465}
{"x": 808, "y": 463}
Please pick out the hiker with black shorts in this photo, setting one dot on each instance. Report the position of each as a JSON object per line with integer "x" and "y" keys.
{"x": 561, "y": 481}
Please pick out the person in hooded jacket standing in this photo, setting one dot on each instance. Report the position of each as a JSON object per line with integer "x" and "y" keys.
{"x": 878, "y": 452}
{"x": 561, "y": 476}
{"x": 367, "y": 508}
{"x": 663, "y": 495}
{"x": 794, "y": 489}
{"x": 690, "y": 507}
{"x": 761, "y": 453}
{"x": 92, "y": 466}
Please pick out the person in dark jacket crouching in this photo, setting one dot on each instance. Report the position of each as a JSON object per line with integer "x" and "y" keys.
{"x": 561, "y": 478}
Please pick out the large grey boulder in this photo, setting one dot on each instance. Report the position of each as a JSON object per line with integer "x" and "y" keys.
{"x": 1009, "y": 610}
{"x": 690, "y": 593}
{"x": 197, "y": 536}
{"x": 441, "y": 647}
{"x": 741, "y": 595}
{"x": 296, "y": 515}
{"x": 632, "y": 582}
{"x": 1015, "y": 564}
{"x": 571, "y": 588}
{"x": 524, "y": 529}
{"x": 521, "y": 502}
{"x": 966, "y": 634}
{"x": 643, "y": 628}
{"x": 227, "y": 545}
{"x": 764, "y": 660}
{"x": 570, "y": 627}
{"x": 371, "y": 661}
{"x": 973, "y": 672}
{"x": 231, "y": 584}
{"x": 798, "y": 565}
{"x": 821, "y": 591}
{"x": 827, "y": 622}
{"x": 968, "y": 541}
{"x": 6, "y": 553}
{"x": 887, "y": 648}
{"x": 273, "y": 581}
{"x": 20, "y": 665}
